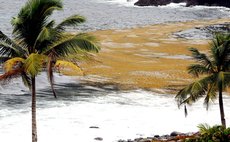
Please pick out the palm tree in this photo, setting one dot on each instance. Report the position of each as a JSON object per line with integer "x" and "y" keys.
{"x": 214, "y": 68}
{"x": 39, "y": 44}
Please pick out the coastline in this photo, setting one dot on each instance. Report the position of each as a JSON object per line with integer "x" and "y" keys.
{"x": 148, "y": 57}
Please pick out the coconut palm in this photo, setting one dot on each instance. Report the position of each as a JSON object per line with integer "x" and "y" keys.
{"x": 38, "y": 44}
{"x": 214, "y": 67}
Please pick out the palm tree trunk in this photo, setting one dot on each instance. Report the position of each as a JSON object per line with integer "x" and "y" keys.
{"x": 223, "y": 122}
{"x": 34, "y": 123}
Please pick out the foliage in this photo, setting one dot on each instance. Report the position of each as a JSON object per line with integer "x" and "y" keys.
{"x": 38, "y": 42}
{"x": 211, "y": 134}
{"x": 214, "y": 67}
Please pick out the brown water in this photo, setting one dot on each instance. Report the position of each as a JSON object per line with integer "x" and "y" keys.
{"x": 147, "y": 57}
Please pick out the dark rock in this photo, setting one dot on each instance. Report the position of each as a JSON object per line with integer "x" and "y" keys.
{"x": 156, "y": 136}
{"x": 203, "y": 32}
{"x": 99, "y": 138}
{"x": 94, "y": 127}
{"x": 121, "y": 141}
{"x": 165, "y": 136}
{"x": 138, "y": 139}
{"x": 156, "y": 2}
{"x": 150, "y": 137}
{"x": 174, "y": 134}
{"x": 225, "y": 3}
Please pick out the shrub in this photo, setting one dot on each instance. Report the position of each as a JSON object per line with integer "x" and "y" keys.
{"x": 211, "y": 134}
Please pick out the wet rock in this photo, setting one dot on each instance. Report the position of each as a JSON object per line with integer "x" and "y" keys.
{"x": 203, "y": 32}
{"x": 94, "y": 127}
{"x": 225, "y": 3}
{"x": 138, "y": 139}
{"x": 173, "y": 134}
{"x": 99, "y": 138}
{"x": 173, "y": 137}
{"x": 121, "y": 141}
{"x": 156, "y": 2}
{"x": 165, "y": 136}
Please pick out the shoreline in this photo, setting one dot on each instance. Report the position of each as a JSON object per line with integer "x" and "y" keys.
{"x": 173, "y": 137}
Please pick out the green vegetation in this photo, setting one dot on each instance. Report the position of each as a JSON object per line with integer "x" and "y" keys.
{"x": 214, "y": 67}
{"x": 211, "y": 134}
{"x": 38, "y": 44}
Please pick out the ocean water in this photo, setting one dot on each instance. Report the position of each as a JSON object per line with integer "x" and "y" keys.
{"x": 118, "y": 114}
{"x": 116, "y": 14}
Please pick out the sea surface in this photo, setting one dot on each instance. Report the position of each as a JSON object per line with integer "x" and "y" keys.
{"x": 114, "y": 114}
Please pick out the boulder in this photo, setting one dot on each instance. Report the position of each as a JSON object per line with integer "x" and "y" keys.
{"x": 173, "y": 134}
{"x": 98, "y": 138}
{"x": 225, "y": 3}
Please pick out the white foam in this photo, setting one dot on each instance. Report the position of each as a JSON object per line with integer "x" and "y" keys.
{"x": 121, "y": 115}
{"x": 119, "y": 2}
{"x": 198, "y": 7}
{"x": 174, "y": 5}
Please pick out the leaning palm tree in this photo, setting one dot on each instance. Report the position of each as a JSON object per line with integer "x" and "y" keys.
{"x": 214, "y": 68}
{"x": 38, "y": 44}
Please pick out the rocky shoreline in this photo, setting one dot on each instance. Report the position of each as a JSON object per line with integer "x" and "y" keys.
{"x": 203, "y": 33}
{"x": 173, "y": 137}
{"x": 224, "y": 3}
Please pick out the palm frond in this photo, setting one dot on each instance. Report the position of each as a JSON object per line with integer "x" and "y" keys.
{"x": 204, "y": 128}
{"x": 34, "y": 63}
{"x": 32, "y": 18}
{"x": 197, "y": 69}
{"x": 7, "y": 50}
{"x": 185, "y": 110}
{"x": 194, "y": 91}
{"x": 71, "y": 44}
{"x": 211, "y": 94}
{"x": 50, "y": 24}
{"x": 3, "y": 59}
{"x": 8, "y": 47}
{"x": 86, "y": 42}
{"x": 6, "y": 77}
{"x": 220, "y": 49}
{"x": 13, "y": 63}
{"x": 202, "y": 58}
{"x": 62, "y": 47}
{"x": 225, "y": 54}
{"x": 43, "y": 35}
{"x": 26, "y": 80}
{"x": 68, "y": 67}
{"x": 73, "y": 20}
{"x": 226, "y": 82}
{"x": 4, "y": 38}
